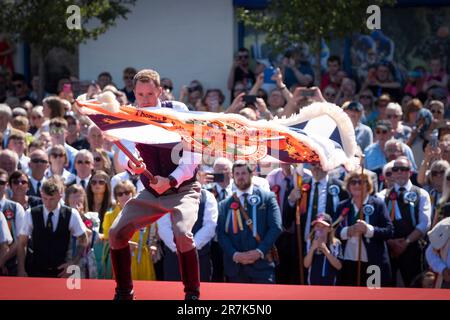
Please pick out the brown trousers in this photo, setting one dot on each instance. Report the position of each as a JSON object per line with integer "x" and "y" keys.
{"x": 145, "y": 209}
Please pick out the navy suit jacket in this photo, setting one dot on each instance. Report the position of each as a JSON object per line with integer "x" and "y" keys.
{"x": 377, "y": 252}
{"x": 268, "y": 219}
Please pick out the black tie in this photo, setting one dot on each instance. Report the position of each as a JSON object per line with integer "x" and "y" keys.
{"x": 285, "y": 215}
{"x": 83, "y": 184}
{"x": 38, "y": 189}
{"x": 223, "y": 194}
{"x": 50, "y": 222}
{"x": 245, "y": 201}
{"x": 315, "y": 201}
{"x": 401, "y": 191}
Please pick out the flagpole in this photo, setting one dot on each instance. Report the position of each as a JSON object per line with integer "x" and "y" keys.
{"x": 298, "y": 183}
{"x": 363, "y": 191}
{"x": 133, "y": 159}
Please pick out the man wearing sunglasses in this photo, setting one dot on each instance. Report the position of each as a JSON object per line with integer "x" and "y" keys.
{"x": 15, "y": 215}
{"x": 410, "y": 210}
{"x": 84, "y": 165}
{"x": 376, "y": 156}
{"x": 38, "y": 165}
{"x": 240, "y": 71}
{"x": 128, "y": 75}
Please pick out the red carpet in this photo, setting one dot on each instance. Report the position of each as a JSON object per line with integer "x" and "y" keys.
{"x": 56, "y": 289}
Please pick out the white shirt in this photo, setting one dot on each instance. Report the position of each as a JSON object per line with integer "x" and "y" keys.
{"x": 34, "y": 182}
{"x": 188, "y": 162}
{"x": 424, "y": 208}
{"x": 19, "y": 215}
{"x": 123, "y": 176}
{"x": 322, "y": 203}
{"x": 228, "y": 190}
{"x": 277, "y": 177}
{"x": 434, "y": 260}
{"x": 66, "y": 175}
{"x": 24, "y": 163}
{"x": 76, "y": 225}
{"x": 205, "y": 234}
{"x": 77, "y": 180}
{"x": 5, "y": 235}
{"x": 351, "y": 247}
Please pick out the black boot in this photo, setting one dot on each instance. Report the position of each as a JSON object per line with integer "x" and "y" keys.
{"x": 190, "y": 273}
{"x": 121, "y": 264}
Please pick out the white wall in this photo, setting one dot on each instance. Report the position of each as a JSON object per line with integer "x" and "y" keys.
{"x": 182, "y": 40}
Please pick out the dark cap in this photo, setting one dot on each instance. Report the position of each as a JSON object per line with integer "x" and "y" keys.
{"x": 354, "y": 105}
{"x": 324, "y": 219}
{"x": 385, "y": 124}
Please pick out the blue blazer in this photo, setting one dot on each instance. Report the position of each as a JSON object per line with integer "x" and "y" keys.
{"x": 377, "y": 252}
{"x": 268, "y": 226}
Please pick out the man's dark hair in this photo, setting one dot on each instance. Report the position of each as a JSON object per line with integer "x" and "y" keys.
{"x": 334, "y": 59}
{"x": 52, "y": 186}
{"x": 105, "y": 73}
{"x": 242, "y": 49}
{"x": 241, "y": 163}
{"x": 19, "y": 77}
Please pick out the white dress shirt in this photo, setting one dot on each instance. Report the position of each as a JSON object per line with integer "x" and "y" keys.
{"x": 203, "y": 235}
{"x": 188, "y": 162}
{"x": 5, "y": 234}
{"x": 351, "y": 247}
{"x": 277, "y": 177}
{"x": 76, "y": 225}
{"x": 322, "y": 203}
{"x": 435, "y": 261}
{"x": 123, "y": 176}
{"x": 77, "y": 180}
{"x": 34, "y": 182}
{"x": 424, "y": 208}
{"x": 66, "y": 175}
{"x": 228, "y": 190}
{"x": 19, "y": 215}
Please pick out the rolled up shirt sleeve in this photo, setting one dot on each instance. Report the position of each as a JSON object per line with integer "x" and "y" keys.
{"x": 76, "y": 224}
{"x": 122, "y": 158}
{"x": 186, "y": 168}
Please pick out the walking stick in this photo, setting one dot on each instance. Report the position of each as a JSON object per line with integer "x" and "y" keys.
{"x": 133, "y": 159}
{"x": 363, "y": 191}
{"x": 298, "y": 179}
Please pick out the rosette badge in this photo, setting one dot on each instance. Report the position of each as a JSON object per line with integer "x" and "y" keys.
{"x": 368, "y": 210}
{"x": 306, "y": 187}
{"x": 254, "y": 200}
{"x": 234, "y": 206}
{"x": 410, "y": 197}
{"x": 334, "y": 190}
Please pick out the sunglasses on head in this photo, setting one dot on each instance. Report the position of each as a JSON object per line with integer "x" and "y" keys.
{"x": 21, "y": 182}
{"x": 100, "y": 182}
{"x": 84, "y": 162}
{"x": 402, "y": 169}
{"x": 41, "y": 161}
{"x": 126, "y": 193}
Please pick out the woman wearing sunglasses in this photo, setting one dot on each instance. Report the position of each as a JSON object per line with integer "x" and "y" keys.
{"x": 58, "y": 160}
{"x": 99, "y": 194}
{"x": 20, "y": 184}
{"x": 375, "y": 228}
{"x": 141, "y": 265}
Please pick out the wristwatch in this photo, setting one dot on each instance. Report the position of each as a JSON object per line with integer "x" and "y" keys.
{"x": 172, "y": 181}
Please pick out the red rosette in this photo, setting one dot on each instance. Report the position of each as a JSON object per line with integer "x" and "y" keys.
{"x": 381, "y": 178}
{"x": 345, "y": 211}
{"x": 393, "y": 196}
{"x": 234, "y": 206}
{"x": 9, "y": 214}
{"x": 306, "y": 187}
{"x": 276, "y": 188}
{"x": 88, "y": 224}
